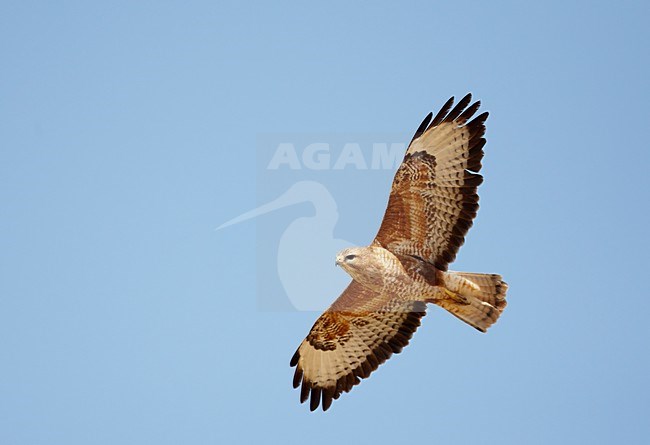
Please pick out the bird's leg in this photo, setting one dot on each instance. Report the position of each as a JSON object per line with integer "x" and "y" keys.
{"x": 456, "y": 297}
{"x": 458, "y": 288}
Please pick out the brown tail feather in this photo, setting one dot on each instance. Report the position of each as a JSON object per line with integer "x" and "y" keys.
{"x": 483, "y": 306}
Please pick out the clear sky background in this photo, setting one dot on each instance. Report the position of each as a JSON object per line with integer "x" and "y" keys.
{"x": 128, "y": 133}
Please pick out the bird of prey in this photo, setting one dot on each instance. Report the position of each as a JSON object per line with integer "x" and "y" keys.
{"x": 432, "y": 203}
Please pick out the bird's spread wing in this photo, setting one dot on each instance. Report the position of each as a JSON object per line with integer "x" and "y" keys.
{"x": 360, "y": 331}
{"x": 433, "y": 198}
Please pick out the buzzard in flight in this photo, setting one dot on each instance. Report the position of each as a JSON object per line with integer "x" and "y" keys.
{"x": 431, "y": 206}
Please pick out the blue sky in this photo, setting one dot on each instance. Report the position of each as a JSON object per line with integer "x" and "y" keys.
{"x": 129, "y": 131}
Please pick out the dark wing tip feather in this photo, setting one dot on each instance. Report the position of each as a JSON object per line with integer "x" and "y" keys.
{"x": 460, "y": 113}
{"x": 315, "y": 398}
{"x": 327, "y": 396}
{"x": 304, "y": 390}
{"x": 295, "y": 358}
{"x": 297, "y": 377}
{"x": 442, "y": 113}
{"x": 423, "y": 127}
{"x": 458, "y": 109}
{"x": 469, "y": 112}
{"x": 480, "y": 119}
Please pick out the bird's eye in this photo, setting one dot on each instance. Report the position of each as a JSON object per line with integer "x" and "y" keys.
{"x": 350, "y": 257}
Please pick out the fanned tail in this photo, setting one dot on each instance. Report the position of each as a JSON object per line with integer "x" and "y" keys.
{"x": 482, "y": 298}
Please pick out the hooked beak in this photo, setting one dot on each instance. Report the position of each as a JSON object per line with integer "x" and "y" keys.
{"x": 339, "y": 260}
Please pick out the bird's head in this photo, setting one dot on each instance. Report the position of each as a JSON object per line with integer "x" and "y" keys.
{"x": 366, "y": 265}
